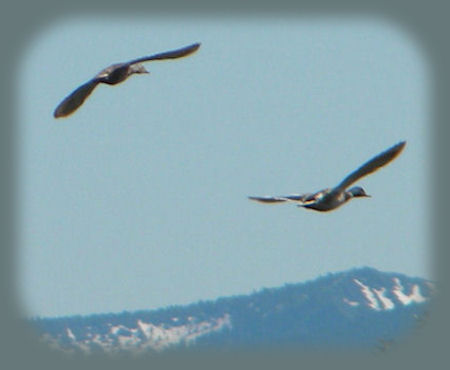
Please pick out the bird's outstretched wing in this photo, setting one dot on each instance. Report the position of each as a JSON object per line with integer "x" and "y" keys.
{"x": 173, "y": 54}
{"x": 371, "y": 166}
{"x": 75, "y": 99}
{"x": 298, "y": 198}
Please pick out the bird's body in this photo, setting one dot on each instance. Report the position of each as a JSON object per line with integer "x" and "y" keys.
{"x": 332, "y": 198}
{"x": 113, "y": 75}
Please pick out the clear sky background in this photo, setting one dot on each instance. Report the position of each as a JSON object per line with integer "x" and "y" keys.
{"x": 139, "y": 199}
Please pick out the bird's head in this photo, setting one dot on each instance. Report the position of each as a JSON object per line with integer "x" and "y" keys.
{"x": 358, "y": 191}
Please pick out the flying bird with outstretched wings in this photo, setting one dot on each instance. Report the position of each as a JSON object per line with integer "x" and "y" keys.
{"x": 113, "y": 75}
{"x": 332, "y": 198}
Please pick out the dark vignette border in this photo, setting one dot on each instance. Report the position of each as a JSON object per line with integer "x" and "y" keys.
{"x": 428, "y": 24}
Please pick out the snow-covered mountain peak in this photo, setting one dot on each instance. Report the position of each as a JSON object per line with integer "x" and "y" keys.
{"x": 390, "y": 296}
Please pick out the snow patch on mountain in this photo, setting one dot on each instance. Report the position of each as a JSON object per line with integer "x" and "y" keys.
{"x": 381, "y": 299}
{"x": 406, "y": 299}
{"x": 369, "y": 295}
{"x": 141, "y": 338}
{"x": 387, "y": 303}
{"x": 350, "y": 303}
{"x": 70, "y": 334}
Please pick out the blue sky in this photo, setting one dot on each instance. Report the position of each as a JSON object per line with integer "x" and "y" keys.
{"x": 139, "y": 199}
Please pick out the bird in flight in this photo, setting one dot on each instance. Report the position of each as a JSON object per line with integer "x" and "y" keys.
{"x": 113, "y": 75}
{"x": 331, "y": 198}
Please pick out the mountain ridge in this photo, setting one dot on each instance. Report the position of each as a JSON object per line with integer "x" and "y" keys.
{"x": 358, "y": 307}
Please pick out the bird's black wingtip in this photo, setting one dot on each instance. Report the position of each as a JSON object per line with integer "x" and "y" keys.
{"x": 400, "y": 145}
{"x": 394, "y": 151}
{"x": 195, "y": 46}
{"x": 56, "y": 114}
{"x": 60, "y": 113}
